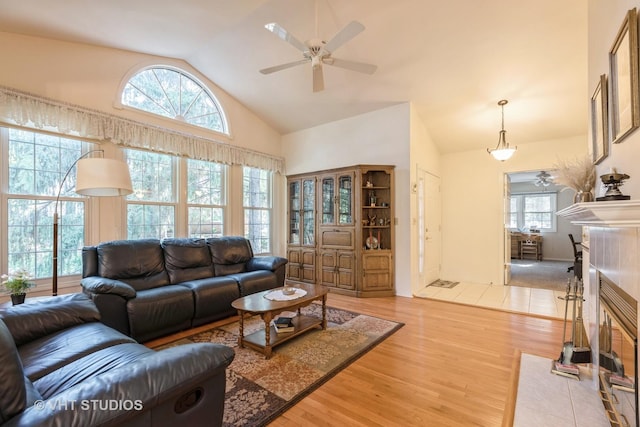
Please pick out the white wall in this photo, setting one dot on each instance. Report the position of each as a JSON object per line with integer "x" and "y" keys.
{"x": 424, "y": 155}
{"x": 605, "y": 19}
{"x": 472, "y": 205}
{"x": 379, "y": 137}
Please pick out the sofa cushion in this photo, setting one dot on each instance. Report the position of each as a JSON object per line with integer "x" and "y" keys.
{"x": 140, "y": 263}
{"x": 254, "y": 281}
{"x": 13, "y": 399}
{"x": 213, "y": 297}
{"x": 229, "y": 254}
{"x": 187, "y": 259}
{"x": 89, "y": 367}
{"x": 48, "y": 353}
{"x": 28, "y": 322}
{"x": 160, "y": 311}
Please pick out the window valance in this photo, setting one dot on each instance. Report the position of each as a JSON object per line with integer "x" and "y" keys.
{"x": 27, "y": 110}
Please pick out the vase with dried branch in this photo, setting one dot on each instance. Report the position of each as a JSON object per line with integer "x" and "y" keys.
{"x": 578, "y": 174}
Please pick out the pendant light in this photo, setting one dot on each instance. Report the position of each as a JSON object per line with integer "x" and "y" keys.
{"x": 502, "y": 151}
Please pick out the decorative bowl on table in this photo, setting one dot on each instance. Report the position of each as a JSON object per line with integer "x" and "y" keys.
{"x": 288, "y": 290}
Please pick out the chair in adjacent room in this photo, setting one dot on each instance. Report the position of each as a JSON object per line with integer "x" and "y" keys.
{"x": 577, "y": 258}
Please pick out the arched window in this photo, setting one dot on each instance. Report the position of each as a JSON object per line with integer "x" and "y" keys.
{"x": 172, "y": 93}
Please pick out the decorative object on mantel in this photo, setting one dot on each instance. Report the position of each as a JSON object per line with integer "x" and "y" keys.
{"x": 17, "y": 283}
{"x": 613, "y": 180}
{"x": 579, "y": 175}
{"x": 502, "y": 151}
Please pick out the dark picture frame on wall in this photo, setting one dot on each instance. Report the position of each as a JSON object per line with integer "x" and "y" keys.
{"x": 623, "y": 67}
{"x": 599, "y": 121}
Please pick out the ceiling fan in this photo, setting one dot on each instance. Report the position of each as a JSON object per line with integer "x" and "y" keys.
{"x": 319, "y": 52}
{"x": 544, "y": 179}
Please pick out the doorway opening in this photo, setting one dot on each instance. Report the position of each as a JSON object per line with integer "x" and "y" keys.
{"x": 538, "y": 251}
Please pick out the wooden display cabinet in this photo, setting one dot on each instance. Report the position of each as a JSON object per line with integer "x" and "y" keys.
{"x": 354, "y": 220}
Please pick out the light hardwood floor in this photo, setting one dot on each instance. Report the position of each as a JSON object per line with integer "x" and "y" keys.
{"x": 450, "y": 365}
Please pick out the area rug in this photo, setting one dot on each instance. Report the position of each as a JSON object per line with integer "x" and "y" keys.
{"x": 259, "y": 390}
{"x": 443, "y": 284}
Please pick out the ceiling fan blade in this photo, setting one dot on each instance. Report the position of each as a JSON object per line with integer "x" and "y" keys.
{"x": 318, "y": 79}
{"x": 283, "y": 66}
{"x": 360, "y": 67}
{"x": 286, "y": 36}
{"x": 347, "y": 33}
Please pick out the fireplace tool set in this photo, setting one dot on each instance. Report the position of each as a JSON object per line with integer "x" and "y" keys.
{"x": 577, "y": 350}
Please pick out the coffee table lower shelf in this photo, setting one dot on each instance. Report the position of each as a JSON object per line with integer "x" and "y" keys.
{"x": 301, "y": 323}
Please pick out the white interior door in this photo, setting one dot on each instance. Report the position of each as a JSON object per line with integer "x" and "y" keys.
{"x": 429, "y": 226}
{"x": 506, "y": 232}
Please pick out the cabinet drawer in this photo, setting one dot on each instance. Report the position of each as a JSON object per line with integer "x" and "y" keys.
{"x": 337, "y": 238}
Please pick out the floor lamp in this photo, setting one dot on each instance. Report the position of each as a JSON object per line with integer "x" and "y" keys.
{"x": 98, "y": 177}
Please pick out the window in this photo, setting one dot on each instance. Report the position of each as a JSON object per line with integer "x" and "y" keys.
{"x": 151, "y": 209}
{"x": 37, "y": 163}
{"x": 174, "y": 94}
{"x": 256, "y": 191}
{"x": 206, "y": 192}
{"x": 533, "y": 211}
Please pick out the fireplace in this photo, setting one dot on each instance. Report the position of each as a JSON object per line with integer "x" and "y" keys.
{"x": 611, "y": 243}
{"x": 618, "y": 353}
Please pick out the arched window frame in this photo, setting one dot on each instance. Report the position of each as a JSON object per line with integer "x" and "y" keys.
{"x": 193, "y": 76}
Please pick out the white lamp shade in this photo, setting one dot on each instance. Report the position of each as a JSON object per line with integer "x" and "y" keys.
{"x": 102, "y": 177}
{"x": 503, "y": 154}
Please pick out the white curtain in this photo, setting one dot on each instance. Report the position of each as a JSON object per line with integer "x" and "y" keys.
{"x": 26, "y": 110}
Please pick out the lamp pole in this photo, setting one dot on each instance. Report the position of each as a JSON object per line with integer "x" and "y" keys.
{"x": 54, "y": 278}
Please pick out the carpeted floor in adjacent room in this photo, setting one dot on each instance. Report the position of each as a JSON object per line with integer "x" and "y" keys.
{"x": 258, "y": 390}
{"x": 551, "y": 275}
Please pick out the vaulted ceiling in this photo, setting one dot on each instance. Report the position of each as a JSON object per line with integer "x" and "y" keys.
{"x": 454, "y": 60}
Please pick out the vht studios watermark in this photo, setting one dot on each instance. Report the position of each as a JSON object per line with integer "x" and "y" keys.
{"x": 89, "y": 405}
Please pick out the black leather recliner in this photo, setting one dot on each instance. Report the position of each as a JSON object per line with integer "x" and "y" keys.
{"x": 149, "y": 288}
{"x": 60, "y": 366}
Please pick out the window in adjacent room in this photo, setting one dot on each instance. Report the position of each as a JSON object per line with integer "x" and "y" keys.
{"x": 173, "y": 93}
{"x": 257, "y": 193}
{"x": 36, "y": 164}
{"x": 151, "y": 209}
{"x": 533, "y": 211}
{"x": 206, "y": 198}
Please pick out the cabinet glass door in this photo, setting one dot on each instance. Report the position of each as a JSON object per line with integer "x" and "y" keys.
{"x": 294, "y": 213}
{"x": 308, "y": 211}
{"x": 328, "y": 201}
{"x": 345, "y": 200}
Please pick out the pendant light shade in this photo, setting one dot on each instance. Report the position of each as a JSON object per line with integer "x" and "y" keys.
{"x": 502, "y": 151}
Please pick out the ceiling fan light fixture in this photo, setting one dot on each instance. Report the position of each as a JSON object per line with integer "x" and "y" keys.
{"x": 502, "y": 151}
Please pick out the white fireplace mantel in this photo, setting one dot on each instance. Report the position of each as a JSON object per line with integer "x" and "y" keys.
{"x": 621, "y": 213}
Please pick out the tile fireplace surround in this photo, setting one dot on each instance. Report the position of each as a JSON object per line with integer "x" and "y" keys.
{"x": 611, "y": 238}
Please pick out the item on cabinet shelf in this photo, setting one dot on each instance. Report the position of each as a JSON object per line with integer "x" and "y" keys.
{"x": 372, "y": 219}
{"x": 613, "y": 181}
{"x": 379, "y": 240}
{"x": 372, "y": 243}
{"x": 369, "y": 184}
{"x": 381, "y": 221}
{"x": 384, "y": 204}
{"x": 372, "y": 198}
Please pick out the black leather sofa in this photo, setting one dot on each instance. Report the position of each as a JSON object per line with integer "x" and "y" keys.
{"x": 60, "y": 366}
{"x": 149, "y": 288}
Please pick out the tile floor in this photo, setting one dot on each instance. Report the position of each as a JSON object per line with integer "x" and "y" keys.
{"x": 540, "y": 302}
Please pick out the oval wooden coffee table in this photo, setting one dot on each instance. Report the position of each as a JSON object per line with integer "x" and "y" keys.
{"x": 258, "y": 304}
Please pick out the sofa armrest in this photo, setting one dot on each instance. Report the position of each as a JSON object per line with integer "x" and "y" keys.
{"x": 28, "y": 322}
{"x": 102, "y": 285}
{"x": 188, "y": 378}
{"x": 271, "y": 263}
